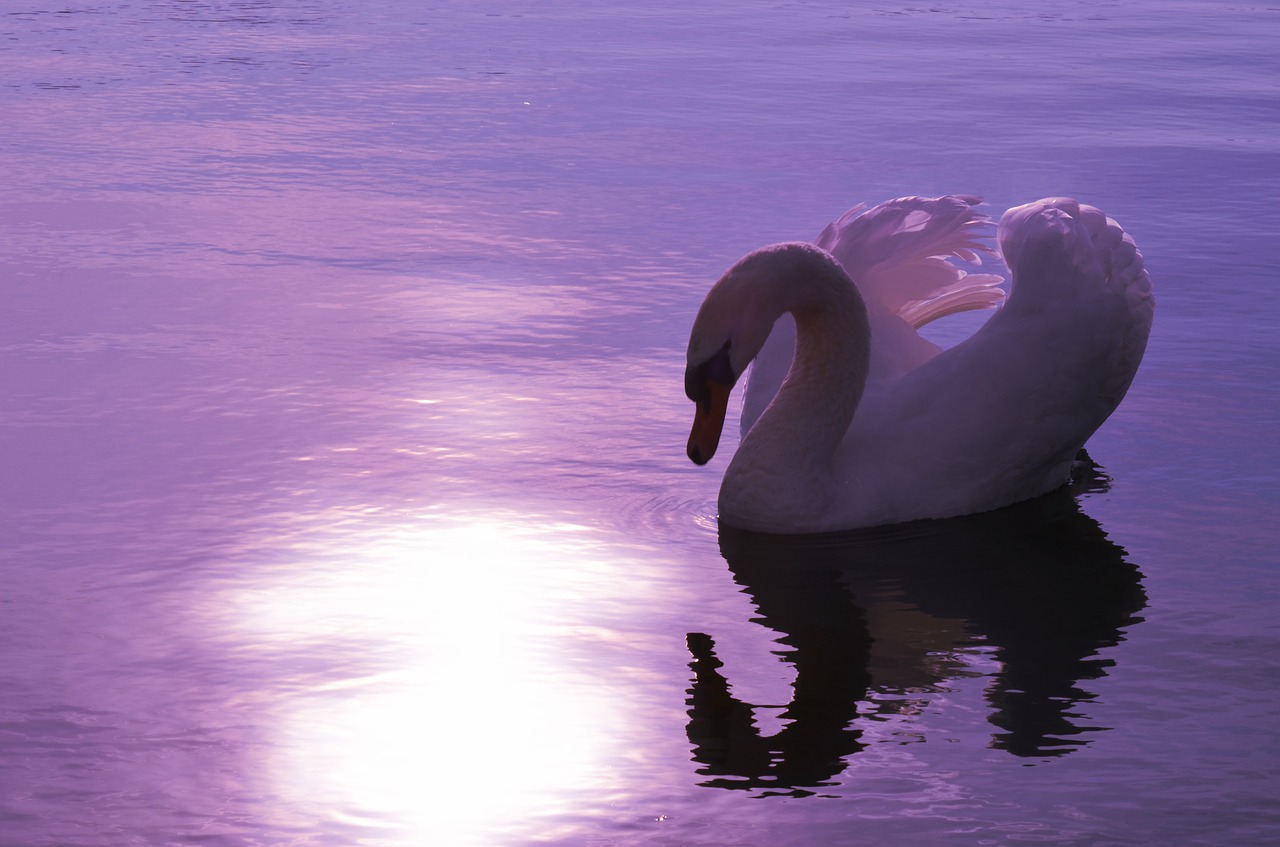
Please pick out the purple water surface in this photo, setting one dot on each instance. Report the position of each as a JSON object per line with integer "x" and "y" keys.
{"x": 344, "y": 492}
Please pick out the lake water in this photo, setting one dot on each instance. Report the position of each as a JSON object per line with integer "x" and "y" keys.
{"x": 344, "y": 490}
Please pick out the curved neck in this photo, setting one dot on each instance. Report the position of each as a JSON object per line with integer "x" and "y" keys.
{"x": 788, "y": 453}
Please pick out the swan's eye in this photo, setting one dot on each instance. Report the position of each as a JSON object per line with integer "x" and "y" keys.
{"x": 716, "y": 369}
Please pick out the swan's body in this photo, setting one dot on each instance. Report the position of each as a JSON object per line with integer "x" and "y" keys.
{"x": 870, "y": 424}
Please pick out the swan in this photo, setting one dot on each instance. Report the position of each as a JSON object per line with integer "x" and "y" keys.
{"x": 852, "y": 419}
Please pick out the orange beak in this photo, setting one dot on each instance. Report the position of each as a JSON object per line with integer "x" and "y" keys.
{"x": 708, "y": 421}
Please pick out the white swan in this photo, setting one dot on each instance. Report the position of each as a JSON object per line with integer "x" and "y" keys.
{"x": 868, "y": 423}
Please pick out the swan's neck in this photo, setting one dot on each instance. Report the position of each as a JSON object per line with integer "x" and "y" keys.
{"x": 784, "y": 463}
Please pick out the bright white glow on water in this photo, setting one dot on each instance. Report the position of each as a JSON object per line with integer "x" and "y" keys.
{"x": 469, "y": 710}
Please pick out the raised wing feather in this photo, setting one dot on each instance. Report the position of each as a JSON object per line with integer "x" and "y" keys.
{"x": 899, "y": 254}
{"x": 1066, "y": 255}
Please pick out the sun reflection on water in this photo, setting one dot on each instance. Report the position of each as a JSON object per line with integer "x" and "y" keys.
{"x": 436, "y": 680}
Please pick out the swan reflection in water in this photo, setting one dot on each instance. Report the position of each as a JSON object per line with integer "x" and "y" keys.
{"x": 873, "y": 620}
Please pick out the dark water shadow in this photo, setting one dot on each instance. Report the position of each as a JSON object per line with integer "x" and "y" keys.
{"x": 872, "y": 622}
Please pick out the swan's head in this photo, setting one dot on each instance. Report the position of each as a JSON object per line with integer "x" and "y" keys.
{"x": 732, "y": 325}
{"x": 708, "y": 381}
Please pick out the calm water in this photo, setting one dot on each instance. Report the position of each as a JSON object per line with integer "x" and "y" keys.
{"x": 344, "y": 492}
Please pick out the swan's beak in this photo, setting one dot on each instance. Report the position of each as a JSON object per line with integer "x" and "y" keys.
{"x": 708, "y": 420}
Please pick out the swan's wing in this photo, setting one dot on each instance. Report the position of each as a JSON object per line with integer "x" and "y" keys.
{"x": 1001, "y": 416}
{"x": 899, "y": 254}
{"x": 1070, "y": 258}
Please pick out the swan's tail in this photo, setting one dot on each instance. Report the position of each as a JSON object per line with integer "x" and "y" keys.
{"x": 900, "y": 254}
